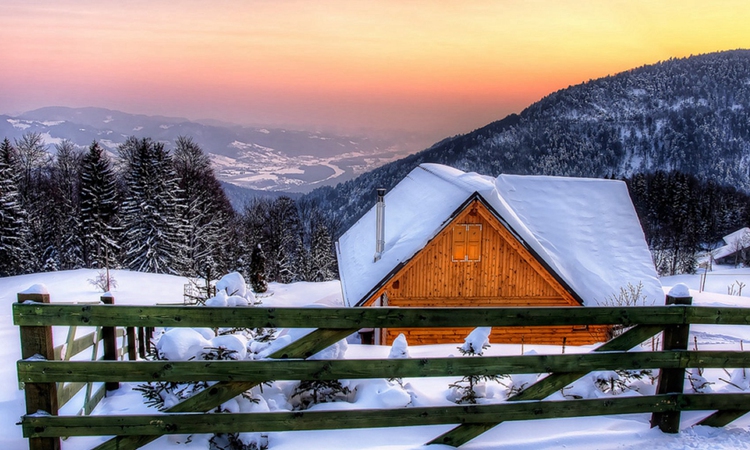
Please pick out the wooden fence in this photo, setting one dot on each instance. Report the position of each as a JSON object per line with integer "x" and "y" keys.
{"x": 40, "y": 370}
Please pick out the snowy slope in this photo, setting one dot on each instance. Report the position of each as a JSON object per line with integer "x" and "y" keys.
{"x": 604, "y": 433}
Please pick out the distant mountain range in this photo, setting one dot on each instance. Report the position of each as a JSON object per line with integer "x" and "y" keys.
{"x": 690, "y": 114}
{"x": 257, "y": 158}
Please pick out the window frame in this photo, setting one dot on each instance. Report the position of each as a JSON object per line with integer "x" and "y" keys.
{"x": 467, "y": 243}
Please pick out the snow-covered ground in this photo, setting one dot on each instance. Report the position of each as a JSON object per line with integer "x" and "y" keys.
{"x": 611, "y": 432}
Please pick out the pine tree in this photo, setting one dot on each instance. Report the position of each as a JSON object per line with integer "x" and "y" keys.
{"x": 284, "y": 237}
{"x": 64, "y": 191}
{"x": 32, "y": 165}
{"x": 152, "y": 213}
{"x": 322, "y": 261}
{"x": 98, "y": 200}
{"x": 14, "y": 233}
{"x": 207, "y": 210}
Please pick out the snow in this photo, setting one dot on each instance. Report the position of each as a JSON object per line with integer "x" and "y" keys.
{"x": 679, "y": 290}
{"x": 21, "y": 125}
{"x": 399, "y": 348}
{"x": 586, "y": 230}
{"x": 477, "y": 341}
{"x": 233, "y": 284}
{"x": 603, "y": 433}
{"x": 36, "y": 289}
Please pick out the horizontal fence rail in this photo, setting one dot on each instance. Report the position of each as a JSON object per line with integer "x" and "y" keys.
{"x": 159, "y": 424}
{"x": 258, "y": 371}
{"x": 29, "y": 314}
{"x": 333, "y": 324}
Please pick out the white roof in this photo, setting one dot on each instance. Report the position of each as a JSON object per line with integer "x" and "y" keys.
{"x": 585, "y": 230}
{"x": 738, "y": 240}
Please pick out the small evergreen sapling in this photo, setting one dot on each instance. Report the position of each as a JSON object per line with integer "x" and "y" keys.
{"x": 470, "y": 388}
{"x": 618, "y": 381}
{"x": 311, "y": 392}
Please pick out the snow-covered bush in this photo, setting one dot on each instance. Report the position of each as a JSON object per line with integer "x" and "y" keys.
{"x": 470, "y": 388}
{"x": 399, "y": 348}
{"x": 185, "y": 344}
{"x": 616, "y": 382}
{"x": 311, "y": 392}
{"x": 739, "y": 379}
{"x": 519, "y": 382}
{"x": 698, "y": 383}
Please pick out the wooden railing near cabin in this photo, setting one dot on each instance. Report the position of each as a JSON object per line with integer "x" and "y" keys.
{"x": 41, "y": 369}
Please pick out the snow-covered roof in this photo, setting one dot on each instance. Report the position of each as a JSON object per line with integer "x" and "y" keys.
{"x": 585, "y": 230}
{"x": 738, "y": 240}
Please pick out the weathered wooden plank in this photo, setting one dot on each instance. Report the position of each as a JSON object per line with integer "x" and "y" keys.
{"x": 543, "y": 388}
{"x": 346, "y": 318}
{"x": 223, "y": 391}
{"x": 723, "y": 417}
{"x": 258, "y": 371}
{"x": 159, "y": 424}
{"x": 675, "y": 337}
{"x": 94, "y": 399}
{"x": 717, "y": 316}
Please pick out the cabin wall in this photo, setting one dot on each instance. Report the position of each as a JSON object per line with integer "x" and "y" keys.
{"x": 506, "y": 274}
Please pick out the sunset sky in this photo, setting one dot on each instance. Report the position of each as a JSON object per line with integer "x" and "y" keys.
{"x": 435, "y": 66}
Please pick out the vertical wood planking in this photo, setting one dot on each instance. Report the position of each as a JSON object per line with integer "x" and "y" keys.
{"x": 505, "y": 271}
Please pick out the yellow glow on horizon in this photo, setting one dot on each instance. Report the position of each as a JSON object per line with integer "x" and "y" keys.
{"x": 276, "y": 60}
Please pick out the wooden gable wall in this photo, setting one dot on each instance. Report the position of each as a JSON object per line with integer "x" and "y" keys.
{"x": 505, "y": 274}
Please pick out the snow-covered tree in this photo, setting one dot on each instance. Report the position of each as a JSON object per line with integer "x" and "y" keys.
{"x": 322, "y": 262}
{"x": 63, "y": 231}
{"x": 14, "y": 232}
{"x": 31, "y": 156}
{"x": 152, "y": 211}
{"x": 470, "y": 388}
{"x": 284, "y": 241}
{"x": 98, "y": 200}
{"x": 206, "y": 213}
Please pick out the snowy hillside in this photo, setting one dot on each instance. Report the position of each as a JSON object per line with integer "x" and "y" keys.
{"x": 612, "y": 432}
{"x": 688, "y": 114}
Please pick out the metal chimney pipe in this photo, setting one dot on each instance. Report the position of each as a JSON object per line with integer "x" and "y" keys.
{"x": 380, "y": 224}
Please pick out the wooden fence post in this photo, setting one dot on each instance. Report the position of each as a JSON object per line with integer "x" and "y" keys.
{"x": 130, "y": 332}
{"x": 141, "y": 343}
{"x": 37, "y": 341}
{"x": 149, "y": 336}
{"x": 109, "y": 336}
{"x": 672, "y": 380}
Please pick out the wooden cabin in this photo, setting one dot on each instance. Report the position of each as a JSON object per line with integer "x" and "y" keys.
{"x": 444, "y": 238}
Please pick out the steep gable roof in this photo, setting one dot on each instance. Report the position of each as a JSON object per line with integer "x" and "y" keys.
{"x": 585, "y": 230}
{"x": 736, "y": 241}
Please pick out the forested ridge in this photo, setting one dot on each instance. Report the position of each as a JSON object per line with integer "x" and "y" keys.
{"x": 690, "y": 115}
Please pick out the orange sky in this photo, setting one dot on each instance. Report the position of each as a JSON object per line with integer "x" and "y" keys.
{"x": 436, "y": 66}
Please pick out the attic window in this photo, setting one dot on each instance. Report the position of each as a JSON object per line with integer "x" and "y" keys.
{"x": 467, "y": 242}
